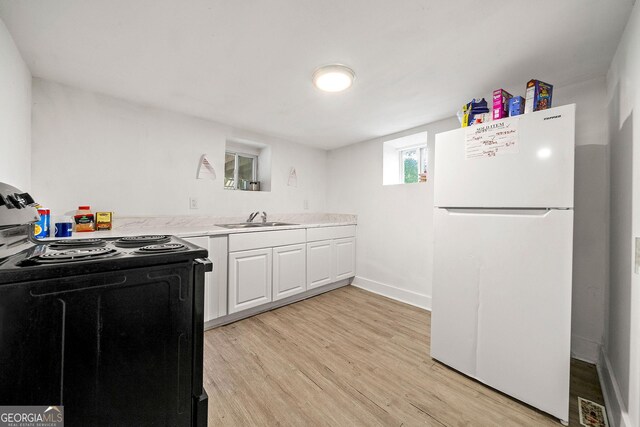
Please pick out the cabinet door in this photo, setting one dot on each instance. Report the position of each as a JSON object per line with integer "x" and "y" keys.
{"x": 289, "y": 272}
{"x": 217, "y": 298}
{"x": 344, "y": 258}
{"x": 319, "y": 260}
{"x": 249, "y": 279}
{"x": 209, "y": 293}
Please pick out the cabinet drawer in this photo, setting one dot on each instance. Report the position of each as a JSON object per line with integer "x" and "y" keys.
{"x": 265, "y": 239}
{"x": 326, "y": 233}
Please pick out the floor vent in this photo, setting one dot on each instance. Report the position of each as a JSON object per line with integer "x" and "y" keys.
{"x": 592, "y": 414}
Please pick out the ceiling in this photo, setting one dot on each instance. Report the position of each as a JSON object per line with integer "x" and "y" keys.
{"x": 249, "y": 63}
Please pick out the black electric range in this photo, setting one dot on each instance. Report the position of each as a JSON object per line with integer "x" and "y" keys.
{"x": 109, "y": 329}
{"x": 47, "y": 259}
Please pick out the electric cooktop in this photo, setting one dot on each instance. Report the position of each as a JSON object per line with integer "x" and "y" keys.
{"x": 79, "y": 256}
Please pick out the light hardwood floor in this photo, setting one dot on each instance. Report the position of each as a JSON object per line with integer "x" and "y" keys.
{"x": 351, "y": 357}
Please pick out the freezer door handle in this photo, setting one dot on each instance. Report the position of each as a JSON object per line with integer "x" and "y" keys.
{"x": 537, "y": 212}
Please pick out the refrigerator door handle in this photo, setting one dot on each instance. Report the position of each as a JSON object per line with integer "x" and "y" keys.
{"x": 534, "y": 212}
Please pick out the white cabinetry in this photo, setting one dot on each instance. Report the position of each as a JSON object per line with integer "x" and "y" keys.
{"x": 265, "y": 266}
{"x": 271, "y": 268}
{"x": 319, "y": 257}
{"x": 249, "y": 279}
{"x": 215, "y": 282}
{"x": 289, "y": 271}
{"x": 259, "y": 270}
{"x": 218, "y": 253}
{"x": 331, "y": 255}
{"x": 344, "y": 258}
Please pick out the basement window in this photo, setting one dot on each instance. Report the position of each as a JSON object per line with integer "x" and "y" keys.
{"x": 413, "y": 162}
{"x": 404, "y": 160}
{"x": 245, "y": 162}
{"x": 239, "y": 170}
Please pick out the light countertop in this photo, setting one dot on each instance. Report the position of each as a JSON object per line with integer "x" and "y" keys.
{"x": 191, "y": 231}
{"x": 201, "y": 226}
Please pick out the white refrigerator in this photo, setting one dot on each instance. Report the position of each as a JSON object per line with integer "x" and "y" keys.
{"x": 503, "y": 255}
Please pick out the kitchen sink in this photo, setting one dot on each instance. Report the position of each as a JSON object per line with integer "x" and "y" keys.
{"x": 239, "y": 225}
{"x": 254, "y": 224}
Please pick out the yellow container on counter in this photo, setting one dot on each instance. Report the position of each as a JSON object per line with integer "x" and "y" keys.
{"x": 104, "y": 220}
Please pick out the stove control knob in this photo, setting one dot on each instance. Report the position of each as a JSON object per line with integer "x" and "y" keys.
{"x": 21, "y": 200}
{"x": 16, "y": 201}
{"x": 26, "y": 199}
{"x": 10, "y": 202}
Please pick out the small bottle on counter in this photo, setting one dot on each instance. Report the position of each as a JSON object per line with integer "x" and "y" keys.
{"x": 43, "y": 226}
{"x": 84, "y": 219}
{"x": 63, "y": 226}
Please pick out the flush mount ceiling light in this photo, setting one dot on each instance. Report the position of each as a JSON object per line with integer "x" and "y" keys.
{"x": 333, "y": 78}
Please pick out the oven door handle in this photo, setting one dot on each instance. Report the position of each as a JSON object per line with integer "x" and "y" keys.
{"x": 200, "y": 267}
{"x": 208, "y": 265}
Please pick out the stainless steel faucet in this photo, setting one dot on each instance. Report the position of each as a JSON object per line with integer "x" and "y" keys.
{"x": 264, "y": 217}
{"x": 252, "y": 216}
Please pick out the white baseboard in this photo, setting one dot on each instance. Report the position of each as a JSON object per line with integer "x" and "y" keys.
{"x": 618, "y": 415}
{"x": 585, "y": 349}
{"x": 402, "y": 295}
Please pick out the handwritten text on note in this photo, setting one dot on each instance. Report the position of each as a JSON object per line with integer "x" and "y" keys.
{"x": 492, "y": 139}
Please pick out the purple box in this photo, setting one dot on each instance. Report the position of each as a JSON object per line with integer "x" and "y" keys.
{"x": 516, "y": 106}
{"x": 538, "y": 96}
{"x": 500, "y": 104}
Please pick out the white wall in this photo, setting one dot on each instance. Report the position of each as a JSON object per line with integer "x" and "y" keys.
{"x": 134, "y": 160}
{"x": 15, "y": 115}
{"x": 591, "y": 196}
{"x": 395, "y": 223}
{"x": 620, "y": 364}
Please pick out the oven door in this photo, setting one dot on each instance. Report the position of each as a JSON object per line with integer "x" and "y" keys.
{"x": 112, "y": 347}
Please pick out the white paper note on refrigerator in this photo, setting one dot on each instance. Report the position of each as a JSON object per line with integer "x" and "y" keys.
{"x": 492, "y": 139}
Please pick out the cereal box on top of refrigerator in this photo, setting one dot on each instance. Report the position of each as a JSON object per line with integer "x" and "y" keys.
{"x": 501, "y": 104}
{"x": 538, "y": 96}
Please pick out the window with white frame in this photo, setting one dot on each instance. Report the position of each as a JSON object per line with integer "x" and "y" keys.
{"x": 404, "y": 160}
{"x": 239, "y": 170}
{"x": 413, "y": 163}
